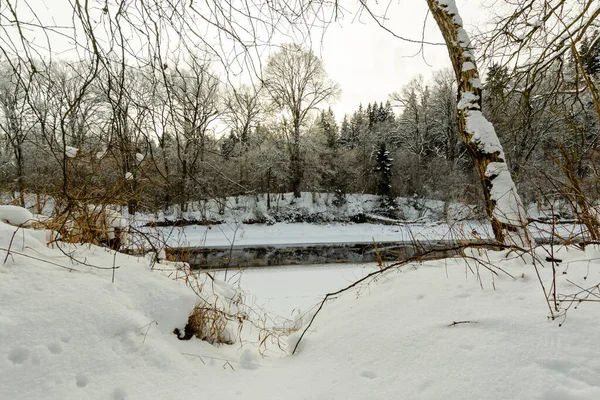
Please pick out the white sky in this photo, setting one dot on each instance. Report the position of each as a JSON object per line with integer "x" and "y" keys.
{"x": 369, "y": 63}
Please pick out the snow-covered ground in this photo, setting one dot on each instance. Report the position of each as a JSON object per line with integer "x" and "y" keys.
{"x": 292, "y": 291}
{"x": 300, "y": 233}
{"x": 284, "y": 207}
{"x": 446, "y": 329}
{"x": 313, "y": 207}
{"x": 304, "y": 233}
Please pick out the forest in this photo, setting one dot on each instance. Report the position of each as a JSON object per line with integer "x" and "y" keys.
{"x": 154, "y": 142}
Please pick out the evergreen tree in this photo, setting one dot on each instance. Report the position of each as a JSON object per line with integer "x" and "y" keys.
{"x": 372, "y": 115}
{"x": 346, "y": 133}
{"x": 384, "y": 172}
{"x": 329, "y": 128}
{"x": 228, "y": 145}
{"x": 589, "y": 52}
{"x": 497, "y": 82}
{"x": 382, "y": 114}
{"x": 328, "y": 137}
{"x": 359, "y": 125}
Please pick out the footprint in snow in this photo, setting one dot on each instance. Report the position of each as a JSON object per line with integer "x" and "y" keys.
{"x": 119, "y": 394}
{"x": 249, "y": 359}
{"x": 18, "y": 355}
{"x": 55, "y": 348}
{"x": 368, "y": 374}
{"x": 82, "y": 380}
{"x": 35, "y": 360}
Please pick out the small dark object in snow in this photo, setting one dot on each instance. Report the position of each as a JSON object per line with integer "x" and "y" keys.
{"x": 188, "y": 332}
{"x": 359, "y": 218}
{"x": 556, "y": 260}
{"x": 461, "y": 322}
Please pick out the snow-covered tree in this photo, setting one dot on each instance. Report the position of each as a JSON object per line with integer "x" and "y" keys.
{"x": 296, "y": 82}
{"x": 383, "y": 168}
{"x": 504, "y": 206}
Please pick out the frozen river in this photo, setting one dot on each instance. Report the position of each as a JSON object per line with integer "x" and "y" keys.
{"x": 285, "y": 291}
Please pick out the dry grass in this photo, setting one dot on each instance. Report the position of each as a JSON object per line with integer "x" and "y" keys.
{"x": 88, "y": 223}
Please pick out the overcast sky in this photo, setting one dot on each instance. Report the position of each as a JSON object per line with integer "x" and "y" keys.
{"x": 369, "y": 63}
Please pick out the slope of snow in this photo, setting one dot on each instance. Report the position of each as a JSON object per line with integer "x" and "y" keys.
{"x": 76, "y": 335}
{"x": 15, "y": 215}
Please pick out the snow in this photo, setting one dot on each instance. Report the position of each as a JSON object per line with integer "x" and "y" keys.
{"x": 441, "y": 329}
{"x": 62, "y": 331}
{"x": 463, "y": 37}
{"x": 482, "y": 132}
{"x": 287, "y": 234}
{"x": 468, "y": 66}
{"x": 467, "y": 101}
{"x": 294, "y": 290}
{"x": 71, "y": 152}
{"x": 509, "y": 208}
{"x": 476, "y": 82}
{"x": 139, "y": 157}
{"x": 128, "y": 176}
{"x": 315, "y": 207}
{"x": 15, "y": 215}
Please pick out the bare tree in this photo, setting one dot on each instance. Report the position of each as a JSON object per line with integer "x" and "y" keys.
{"x": 242, "y": 108}
{"x": 14, "y": 124}
{"x": 444, "y": 120}
{"x": 415, "y": 131}
{"x": 296, "y": 83}
{"x": 197, "y": 105}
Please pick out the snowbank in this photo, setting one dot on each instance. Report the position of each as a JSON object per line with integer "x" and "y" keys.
{"x": 67, "y": 334}
{"x": 441, "y": 329}
{"x": 15, "y": 215}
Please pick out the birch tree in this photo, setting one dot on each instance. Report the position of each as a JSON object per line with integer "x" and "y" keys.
{"x": 503, "y": 204}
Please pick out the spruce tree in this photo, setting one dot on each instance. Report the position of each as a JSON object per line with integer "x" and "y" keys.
{"x": 329, "y": 128}
{"x": 590, "y": 55}
{"x": 346, "y": 133}
{"x": 358, "y": 127}
{"x": 384, "y": 172}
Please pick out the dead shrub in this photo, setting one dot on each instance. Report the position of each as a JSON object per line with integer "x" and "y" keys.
{"x": 89, "y": 223}
{"x": 209, "y": 324}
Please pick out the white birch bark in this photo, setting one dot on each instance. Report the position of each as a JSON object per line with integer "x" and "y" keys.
{"x": 504, "y": 206}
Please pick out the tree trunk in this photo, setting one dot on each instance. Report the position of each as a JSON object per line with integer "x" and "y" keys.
{"x": 131, "y": 183}
{"x": 167, "y": 192}
{"x": 295, "y": 161}
{"x": 183, "y": 187}
{"x": 503, "y": 204}
{"x": 20, "y": 174}
{"x": 269, "y": 188}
